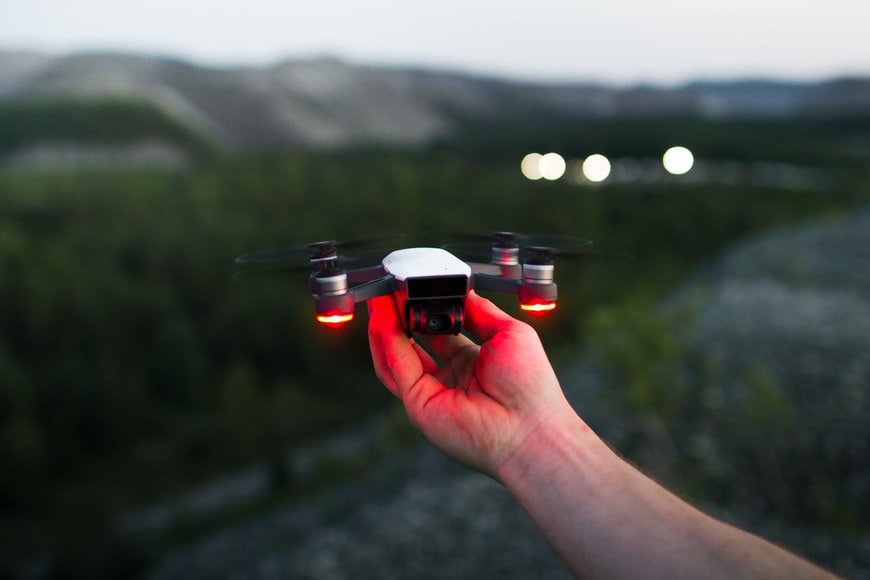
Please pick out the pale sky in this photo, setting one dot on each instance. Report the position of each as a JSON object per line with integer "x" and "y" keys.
{"x": 611, "y": 41}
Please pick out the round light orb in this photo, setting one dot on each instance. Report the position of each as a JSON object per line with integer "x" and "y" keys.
{"x": 678, "y": 160}
{"x": 531, "y": 166}
{"x": 552, "y": 166}
{"x": 596, "y": 168}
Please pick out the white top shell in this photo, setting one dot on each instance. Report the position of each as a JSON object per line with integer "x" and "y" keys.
{"x": 424, "y": 262}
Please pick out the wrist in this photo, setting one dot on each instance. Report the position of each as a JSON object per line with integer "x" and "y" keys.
{"x": 560, "y": 444}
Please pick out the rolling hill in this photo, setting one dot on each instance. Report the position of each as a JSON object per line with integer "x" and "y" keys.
{"x": 327, "y": 103}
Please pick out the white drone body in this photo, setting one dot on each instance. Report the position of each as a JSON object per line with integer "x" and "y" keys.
{"x": 430, "y": 286}
{"x": 418, "y": 263}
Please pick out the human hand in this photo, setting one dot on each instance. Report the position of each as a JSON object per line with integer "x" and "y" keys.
{"x": 477, "y": 403}
{"x": 498, "y": 408}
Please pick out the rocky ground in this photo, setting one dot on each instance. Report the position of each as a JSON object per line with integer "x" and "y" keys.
{"x": 783, "y": 321}
{"x": 419, "y": 517}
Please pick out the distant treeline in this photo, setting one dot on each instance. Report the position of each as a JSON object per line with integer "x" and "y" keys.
{"x": 830, "y": 139}
{"x": 132, "y": 363}
{"x": 87, "y": 121}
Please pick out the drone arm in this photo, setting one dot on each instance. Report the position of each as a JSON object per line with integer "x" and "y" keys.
{"x": 494, "y": 283}
{"x": 534, "y": 297}
{"x": 511, "y": 271}
{"x": 374, "y": 288}
{"x": 365, "y": 275}
{"x": 336, "y": 308}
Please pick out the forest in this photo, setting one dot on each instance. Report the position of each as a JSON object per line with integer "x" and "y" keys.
{"x": 133, "y": 363}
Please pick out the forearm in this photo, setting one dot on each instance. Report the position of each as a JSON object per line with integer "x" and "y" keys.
{"x": 607, "y": 520}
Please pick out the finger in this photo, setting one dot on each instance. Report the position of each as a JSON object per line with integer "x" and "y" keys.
{"x": 397, "y": 363}
{"x": 430, "y": 365}
{"x": 379, "y": 353}
{"x": 445, "y": 347}
{"x": 430, "y": 404}
{"x": 483, "y": 318}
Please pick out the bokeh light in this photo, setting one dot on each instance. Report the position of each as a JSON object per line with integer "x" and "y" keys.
{"x": 531, "y": 166}
{"x": 678, "y": 160}
{"x": 552, "y": 166}
{"x": 596, "y": 168}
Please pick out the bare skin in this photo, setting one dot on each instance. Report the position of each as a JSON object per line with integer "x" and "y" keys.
{"x": 497, "y": 407}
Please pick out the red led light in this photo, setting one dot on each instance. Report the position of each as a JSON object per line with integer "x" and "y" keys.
{"x": 538, "y": 307}
{"x": 336, "y": 319}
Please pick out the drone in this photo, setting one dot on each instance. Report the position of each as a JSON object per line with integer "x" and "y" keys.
{"x": 430, "y": 284}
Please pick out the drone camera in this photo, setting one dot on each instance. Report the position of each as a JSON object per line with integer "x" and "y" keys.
{"x": 434, "y": 305}
{"x": 435, "y": 317}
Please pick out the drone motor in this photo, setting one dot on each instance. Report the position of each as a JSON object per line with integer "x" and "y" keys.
{"x": 505, "y": 249}
{"x": 333, "y": 302}
{"x": 537, "y": 291}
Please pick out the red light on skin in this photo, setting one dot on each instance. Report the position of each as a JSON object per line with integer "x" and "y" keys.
{"x": 334, "y": 320}
{"x": 538, "y": 307}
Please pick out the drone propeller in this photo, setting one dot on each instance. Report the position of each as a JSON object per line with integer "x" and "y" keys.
{"x": 357, "y": 268}
{"x": 514, "y": 239}
{"x": 314, "y": 258}
{"x": 312, "y": 251}
{"x": 510, "y": 247}
{"x": 292, "y": 270}
{"x": 577, "y": 252}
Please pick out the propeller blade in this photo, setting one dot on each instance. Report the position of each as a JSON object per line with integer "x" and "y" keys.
{"x": 275, "y": 255}
{"x": 305, "y": 251}
{"x": 587, "y": 254}
{"x": 362, "y": 266}
{"x": 475, "y": 252}
{"x": 273, "y": 272}
{"x": 544, "y": 240}
{"x": 556, "y": 242}
{"x": 483, "y": 252}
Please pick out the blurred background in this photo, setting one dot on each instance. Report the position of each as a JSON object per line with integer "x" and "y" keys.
{"x": 160, "y": 418}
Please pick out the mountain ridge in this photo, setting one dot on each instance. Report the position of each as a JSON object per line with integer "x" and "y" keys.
{"x": 329, "y": 103}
